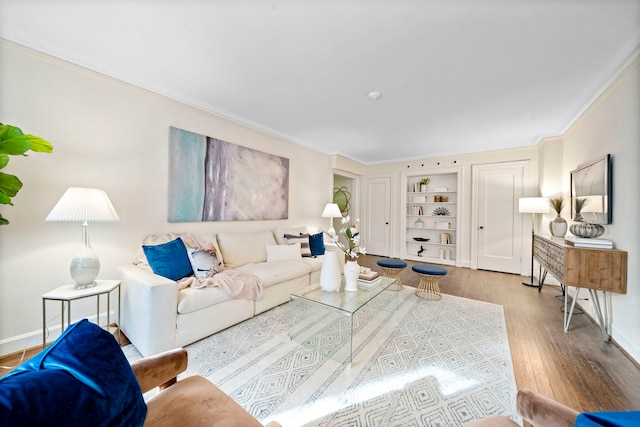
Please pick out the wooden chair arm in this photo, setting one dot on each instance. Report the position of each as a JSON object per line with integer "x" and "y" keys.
{"x": 540, "y": 411}
{"x": 160, "y": 370}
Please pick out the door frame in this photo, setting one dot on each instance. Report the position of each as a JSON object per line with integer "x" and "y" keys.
{"x": 475, "y": 169}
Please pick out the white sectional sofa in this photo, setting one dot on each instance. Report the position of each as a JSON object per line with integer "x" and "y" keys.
{"x": 157, "y": 315}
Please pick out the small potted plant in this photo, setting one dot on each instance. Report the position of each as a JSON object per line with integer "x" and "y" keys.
{"x": 558, "y": 226}
{"x": 423, "y": 184}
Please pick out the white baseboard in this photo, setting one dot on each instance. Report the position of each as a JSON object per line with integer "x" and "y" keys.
{"x": 32, "y": 339}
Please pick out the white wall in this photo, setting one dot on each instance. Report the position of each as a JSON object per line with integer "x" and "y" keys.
{"x": 109, "y": 135}
{"x": 612, "y": 125}
{"x": 465, "y": 163}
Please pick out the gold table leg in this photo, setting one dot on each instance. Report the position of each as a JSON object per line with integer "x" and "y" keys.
{"x": 428, "y": 288}
{"x": 393, "y": 273}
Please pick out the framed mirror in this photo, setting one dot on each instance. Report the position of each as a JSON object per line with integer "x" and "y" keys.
{"x": 592, "y": 181}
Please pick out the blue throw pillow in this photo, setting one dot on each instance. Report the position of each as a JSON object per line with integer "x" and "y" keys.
{"x": 170, "y": 259}
{"x": 316, "y": 243}
{"x": 82, "y": 379}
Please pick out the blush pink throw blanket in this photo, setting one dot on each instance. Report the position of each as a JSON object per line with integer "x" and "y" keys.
{"x": 234, "y": 283}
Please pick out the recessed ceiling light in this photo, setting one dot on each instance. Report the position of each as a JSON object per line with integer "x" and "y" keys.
{"x": 374, "y": 95}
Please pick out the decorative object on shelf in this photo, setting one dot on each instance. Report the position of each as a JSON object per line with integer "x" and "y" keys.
{"x": 418, "y": 223}
{"x": 580, "y": 227}
{"x": 586, "y": 229}
{"x": 441, "y": 211}
{"x": 441, "y": 189}
{"x": 441, "y": 225}
{"x": 533, "y": 205}
{"x": 558, "y": 226}
{"x": 420, "y": 239}
{"x": 419, "y": 199}
{"x": 351, "y": 274}
{"x": 421, "y": 250}
{"x": 330, "y": 277}
{"x": 84, "y": 205}
{"x": 445, "y": 238}
{"x": 342, "y": 198}
{"x": 13, "y": 142}
{"x": 417, "y": 210}
{"x": 331, "y": 210}
{"x": 423, "y": 184}
{"x": 440, "y": 199}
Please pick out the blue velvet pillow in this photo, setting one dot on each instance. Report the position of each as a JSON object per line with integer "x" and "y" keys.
{"x": 316, "y": 243}
{"x": 83, "y": 378}
{"x": 170, "y": 259}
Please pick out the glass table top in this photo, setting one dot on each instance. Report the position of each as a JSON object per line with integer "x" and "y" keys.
{"x": 347, "y": 302}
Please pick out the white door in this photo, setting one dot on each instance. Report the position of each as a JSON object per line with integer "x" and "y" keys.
{"x": 499, "y": 224}
{"x": 377, "y": 213}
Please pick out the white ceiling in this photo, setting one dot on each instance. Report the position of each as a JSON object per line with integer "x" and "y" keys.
{"x": 456, "y": 76}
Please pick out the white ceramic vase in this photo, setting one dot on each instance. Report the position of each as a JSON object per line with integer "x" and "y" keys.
{"x": 330, "y": 273}
{"x": 351, "y": 274}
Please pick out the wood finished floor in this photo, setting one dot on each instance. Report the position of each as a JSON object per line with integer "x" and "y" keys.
{"x": 577, "y": 368}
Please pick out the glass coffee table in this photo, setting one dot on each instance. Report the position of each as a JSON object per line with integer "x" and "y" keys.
{"x": 335, "y": 311}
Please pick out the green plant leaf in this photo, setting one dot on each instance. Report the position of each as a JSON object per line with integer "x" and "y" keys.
{"x": 15, "y": 146}
{"x": 4, "y": 160}
{"x": 3, "y": 220}
{"x": 9, "y": 184}
{"x": 8, "y": 132}
{"x": 39, "y": 145}
{"x": 5, "y": 200}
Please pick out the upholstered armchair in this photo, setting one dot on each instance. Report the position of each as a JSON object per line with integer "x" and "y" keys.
{"x": 191, "y": 401}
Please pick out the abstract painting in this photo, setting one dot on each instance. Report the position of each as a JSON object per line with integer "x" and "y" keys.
{"x": 215, "y": 180}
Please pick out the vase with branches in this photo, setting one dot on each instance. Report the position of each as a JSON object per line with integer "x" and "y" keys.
{"x": 352, "y": 249}
{"x": 558, "y": 226}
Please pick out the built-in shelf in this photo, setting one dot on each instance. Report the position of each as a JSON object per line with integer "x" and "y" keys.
{"x": 442, "y": 246}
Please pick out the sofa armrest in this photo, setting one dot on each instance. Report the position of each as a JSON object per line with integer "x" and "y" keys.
{"x": 541, "y": 411}
{"x": 160, "y": 370}
{"x": 149, "y": 310}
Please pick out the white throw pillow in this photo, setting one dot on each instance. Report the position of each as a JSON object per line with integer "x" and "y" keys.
{"x": 283, "y": 252}
{"x": 204, "y": 263}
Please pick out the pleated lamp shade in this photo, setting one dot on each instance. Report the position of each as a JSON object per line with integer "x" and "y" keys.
{"x": 84, "y": 205}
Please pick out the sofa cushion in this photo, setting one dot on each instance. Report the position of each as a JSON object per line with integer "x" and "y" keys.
{"x": 315, "y": 263}
{"x": 244, "y": 248}
{"x": 190, "y": 240}
{"x": 82, "y": 378}
{"x": 169, "y": 260}
{"x": 279, "y": 233}
{"x": 316, "y": 244}
{"x": 283, "y": 252}
{"x": 302, "y": 240}
{"x": 192, "y": 299}
{"x": 271, "y": 273}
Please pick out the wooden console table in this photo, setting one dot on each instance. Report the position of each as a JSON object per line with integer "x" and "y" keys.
{"x": 602, "y": 270}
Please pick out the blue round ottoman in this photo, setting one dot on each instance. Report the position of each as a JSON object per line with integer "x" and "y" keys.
{"x": 429, "y": 275}
{"x": 392, "y": 268}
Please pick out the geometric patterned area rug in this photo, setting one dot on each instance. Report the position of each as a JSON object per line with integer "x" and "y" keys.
{"x": 430, "y": 363}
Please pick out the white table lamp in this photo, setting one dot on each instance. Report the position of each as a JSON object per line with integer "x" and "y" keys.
{"x": 84, "y": 205}
{"x": 331, "y": 210}
{"x": 533, "y": 205}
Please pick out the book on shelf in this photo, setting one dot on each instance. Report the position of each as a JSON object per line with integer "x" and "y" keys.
{"x": 584, "y": 242}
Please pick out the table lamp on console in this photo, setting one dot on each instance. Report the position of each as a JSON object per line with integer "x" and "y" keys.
{"x": 84, "y": 205}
